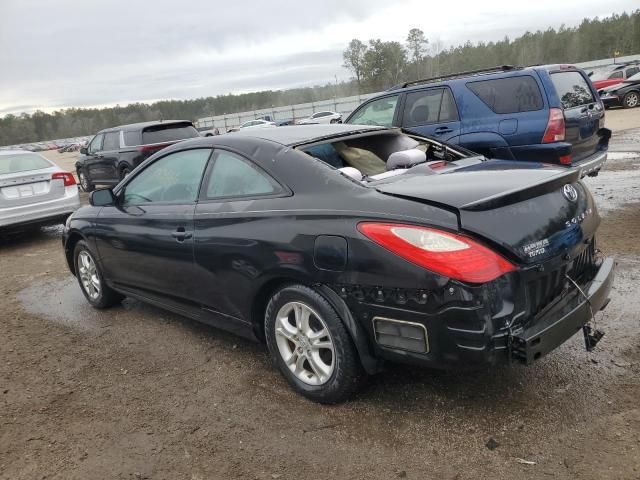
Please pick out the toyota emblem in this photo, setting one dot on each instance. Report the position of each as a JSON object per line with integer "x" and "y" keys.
{"x": 570, "y": 193}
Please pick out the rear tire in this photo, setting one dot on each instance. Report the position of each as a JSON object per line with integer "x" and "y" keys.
{"x": 316, "y": 355}
{"x": 91, "y": 280}
{"x": 124, "y": 172}
{"x": 84, "y": 181}
{"x": 631, "y": 100}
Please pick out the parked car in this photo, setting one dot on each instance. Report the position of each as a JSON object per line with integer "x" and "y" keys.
{"x": 625, "y": 94}
{"x": 343, "y": 247}
{"x": 257, "y": 124}
{"x": 322, "y": 117}
{"x": 614, "y": 74}
{"x": 33, "y": 190}
{"x": 546, "y": 114}
{"x": 113, "y": 153}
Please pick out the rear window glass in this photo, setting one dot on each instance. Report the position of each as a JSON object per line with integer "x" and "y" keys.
{"x": 132, "y": 138}
{"x": 572, "y": 89}
{"x": 168, "y": 133}
{"x": 21, "y": 163}
{"x": 509, "y": 95}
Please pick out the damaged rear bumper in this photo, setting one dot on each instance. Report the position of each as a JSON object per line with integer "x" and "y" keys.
{"x": 557, "y": 326}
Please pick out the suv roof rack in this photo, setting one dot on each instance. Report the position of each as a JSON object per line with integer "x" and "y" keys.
{"x": 499, "y": 68}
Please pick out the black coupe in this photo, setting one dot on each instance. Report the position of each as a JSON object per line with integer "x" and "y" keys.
{"x": 345, "y": 246}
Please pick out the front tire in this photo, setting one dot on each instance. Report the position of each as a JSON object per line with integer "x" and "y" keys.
{"x": 631, "y": 100}
{"x": 310, "y": 345}
{"x": 124, "y": 172}
{"x": 84, "y": 181}
{"x": 91, "y": 280}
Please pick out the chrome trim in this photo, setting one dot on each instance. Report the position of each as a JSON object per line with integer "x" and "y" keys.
{"x": 414, "y": 324}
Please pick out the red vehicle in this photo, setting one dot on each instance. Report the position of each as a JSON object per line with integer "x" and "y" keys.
{"x": 613, "y": 74}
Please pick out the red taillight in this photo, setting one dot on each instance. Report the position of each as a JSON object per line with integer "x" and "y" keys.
{"x": 555, "y": 127}
{"x": 154, "y": 148}
{"x": 447, "y": 254}
{"x": 66, "y": 177}
{"x": 565, "y": 159}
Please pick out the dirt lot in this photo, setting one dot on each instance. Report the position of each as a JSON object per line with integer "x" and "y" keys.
{"x": 135, "y": 392}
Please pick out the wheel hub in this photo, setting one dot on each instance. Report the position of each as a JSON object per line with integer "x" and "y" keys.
{"x": 304, "y": 343}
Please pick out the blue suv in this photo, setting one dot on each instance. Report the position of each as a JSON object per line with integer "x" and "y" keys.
{"x": 549, "y": 113}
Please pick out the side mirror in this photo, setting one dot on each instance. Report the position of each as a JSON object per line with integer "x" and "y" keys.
{"x": 102, "y": 198}
{"x": 83, "y": 150}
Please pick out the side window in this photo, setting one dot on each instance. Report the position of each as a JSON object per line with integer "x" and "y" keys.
{"x": 111, "y": 141}
{"x": 132, "y": 138}
{"x": 233, "y": 176}
{"x": 377, "y": 112}
{"x": 96, "y": 144}
{"x": 448, "y": 110}
{"x": 572, "y": 89}
{"x": 422, "y": 107}
{"x": 632, "y": 71}
{"x": 509, "y": 95}
{"x": 617, "y": 74}
{"x": 174, "y": 178}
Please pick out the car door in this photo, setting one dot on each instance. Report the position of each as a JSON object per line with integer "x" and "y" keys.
{"x": 145, "y": 241}
{"x": 106, "y": 165}
{"x": 230, "y": 226}
{"x": 93, "y": 157}
{"x": 431, "y": 112}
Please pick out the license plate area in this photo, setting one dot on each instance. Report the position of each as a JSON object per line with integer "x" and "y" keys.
{"x": 18, "y": 192}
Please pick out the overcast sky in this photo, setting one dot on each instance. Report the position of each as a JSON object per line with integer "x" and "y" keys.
{"x": 82, "y": 53}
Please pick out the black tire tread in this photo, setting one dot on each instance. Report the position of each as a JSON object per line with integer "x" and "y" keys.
{"x": 348, "y": 369}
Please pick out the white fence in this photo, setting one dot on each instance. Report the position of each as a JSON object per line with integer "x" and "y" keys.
{"x": 344, "y": 105}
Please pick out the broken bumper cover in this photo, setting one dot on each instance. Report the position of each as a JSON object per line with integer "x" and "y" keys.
{"x": 560, "y": 324}
{"x": 464, "y": 337}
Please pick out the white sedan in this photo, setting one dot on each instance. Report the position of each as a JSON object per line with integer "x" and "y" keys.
{"x": 257, "y": 124}
{"x": 322, "y": 117}
{"x": 34, "y": 190}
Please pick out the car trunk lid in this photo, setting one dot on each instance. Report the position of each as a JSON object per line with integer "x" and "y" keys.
{"x": 25, "y": 188}
{"x": 533, "y": 212}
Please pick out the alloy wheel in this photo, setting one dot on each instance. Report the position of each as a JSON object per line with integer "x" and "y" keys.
{"x": 304, "y": 343}
{"x": 89, "y": 275}
{"x": 631, "y": 100}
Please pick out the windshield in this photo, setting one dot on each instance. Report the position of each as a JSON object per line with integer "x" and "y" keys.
{"x": 21, "y": 162}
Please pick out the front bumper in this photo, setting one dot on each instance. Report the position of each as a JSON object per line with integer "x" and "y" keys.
{"x": 611, "y": 101}
{"x": 464, "y": 334}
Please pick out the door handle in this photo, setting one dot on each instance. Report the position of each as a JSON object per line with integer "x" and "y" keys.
{"x": 181, "y": 235}
{"x": 441, "y": 130}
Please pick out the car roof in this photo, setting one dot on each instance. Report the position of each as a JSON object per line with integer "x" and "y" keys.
{"x": 300, "y": 134}
{"x": 141, "y": 125}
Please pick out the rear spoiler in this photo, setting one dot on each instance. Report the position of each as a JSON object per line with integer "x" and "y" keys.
{"x": 520, "y": 194}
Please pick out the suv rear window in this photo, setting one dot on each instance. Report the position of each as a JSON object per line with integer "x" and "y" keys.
{"x": 572, "y": 89}
{"x": 509, "y": 95}
{"x": 168, "y": 133}
{"x": 429, "y": 106}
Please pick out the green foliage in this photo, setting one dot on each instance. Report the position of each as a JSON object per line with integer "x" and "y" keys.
{"x": 375, "y": 66}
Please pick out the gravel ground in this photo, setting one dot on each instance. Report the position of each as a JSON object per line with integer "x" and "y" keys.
{"x": 135, "y": 392}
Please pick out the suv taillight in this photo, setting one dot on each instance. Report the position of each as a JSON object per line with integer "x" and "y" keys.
{"x": 555, "y": 127}
{"x": 66, "y": 177}
{"x": 445, "y": 253}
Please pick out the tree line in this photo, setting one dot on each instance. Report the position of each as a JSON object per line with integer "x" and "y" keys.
{"x": 375, "y": 65}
